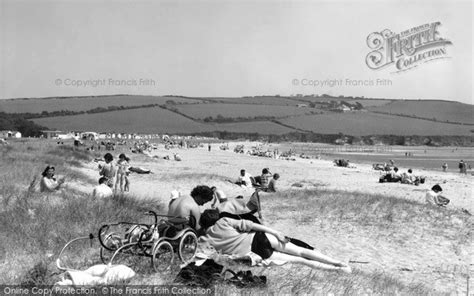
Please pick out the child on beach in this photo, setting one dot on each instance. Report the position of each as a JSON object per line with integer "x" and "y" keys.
{"x": 122, "y": 173}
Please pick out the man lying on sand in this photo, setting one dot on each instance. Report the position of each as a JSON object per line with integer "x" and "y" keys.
{"x": 188, "y": 206}
{"x": 241, "y": 237}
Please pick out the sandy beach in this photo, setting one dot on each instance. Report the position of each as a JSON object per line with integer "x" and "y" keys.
{"x": 417, "y": 256}
{"x": 213, "y": 168}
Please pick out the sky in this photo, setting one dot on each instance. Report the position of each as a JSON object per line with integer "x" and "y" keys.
{"x": 226, "y": 48}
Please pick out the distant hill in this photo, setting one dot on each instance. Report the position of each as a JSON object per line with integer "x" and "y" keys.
{"x": 262, "y": 114}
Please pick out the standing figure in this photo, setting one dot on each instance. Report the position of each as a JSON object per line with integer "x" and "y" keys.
{"x": 461, "y": 166}
{"x": 122, "y": 173}
{"x": 445, "y": 167}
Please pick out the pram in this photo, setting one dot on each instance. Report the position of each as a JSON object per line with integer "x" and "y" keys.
{"x": 160, "y": 241}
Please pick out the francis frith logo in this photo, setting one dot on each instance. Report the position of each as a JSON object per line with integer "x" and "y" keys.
{"x": 407, "y": 49}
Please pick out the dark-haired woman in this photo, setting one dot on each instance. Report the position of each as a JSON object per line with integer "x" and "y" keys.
{"x": 48, "y": 182}
{"x": 434, "y": 196}
{"x": 240, "y": 237}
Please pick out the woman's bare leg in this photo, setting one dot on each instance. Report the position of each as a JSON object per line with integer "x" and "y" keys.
{"x": 295, "y": 259}
{"x": 294, "y": 250}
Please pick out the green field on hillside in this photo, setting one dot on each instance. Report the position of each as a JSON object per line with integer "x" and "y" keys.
{"x": 143, "y": 120}
{"x": 264, "y": 100}
{"x": 201, "y": 111}
{"x": 82, "y": 103}
{"x": 439, "y": 110}
{"x": 367, "y": 123}
{"x": 152, "y": 120}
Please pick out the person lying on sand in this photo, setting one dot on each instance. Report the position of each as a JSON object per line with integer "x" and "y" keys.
{"x": 48, "y": 182}
{"x": 188, "y": 206}
{"x": 240, "y": 237}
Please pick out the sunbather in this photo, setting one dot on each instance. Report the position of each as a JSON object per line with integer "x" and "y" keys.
{"x": 188, "y": 206}
{"x": 48, "y": 182}
{"x": 102, "y": 190}
{"x": 434, "y": 196}
{"x": 123, "y": 170}
{"x": 272, "y": 187}
{"x": 265, "y": 178}
{"x": 240, "y": 237}
{"x": 244, "y": 179}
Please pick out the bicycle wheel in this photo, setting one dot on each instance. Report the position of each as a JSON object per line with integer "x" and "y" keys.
{"x": 162, "y": 256}
{"x": 111, "y": 243}
{"x": 187, "y": 246}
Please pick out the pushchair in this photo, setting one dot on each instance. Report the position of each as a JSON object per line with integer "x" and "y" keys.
{"x": 159, "y": 241}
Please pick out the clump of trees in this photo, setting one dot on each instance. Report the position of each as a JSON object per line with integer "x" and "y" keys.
{"x": 17, "y": 122}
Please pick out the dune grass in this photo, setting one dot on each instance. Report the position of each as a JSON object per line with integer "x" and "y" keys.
{"x": 386, "y": 213}
{"x": 35, "y": 226}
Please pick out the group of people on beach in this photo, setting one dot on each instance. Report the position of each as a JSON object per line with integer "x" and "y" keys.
{"x": 408, "y": 177}
{"x": 113, "y": 176}
{"x": 231, "y": 227}
{"x": 266, "y": 181}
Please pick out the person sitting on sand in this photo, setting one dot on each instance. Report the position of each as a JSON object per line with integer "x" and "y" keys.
{"x": 232, "y": 205}
{"x": 265, "y": 178}
{"x": 188, "y": 206}
{"x": 48, "y": 182}
{"x": 123, "y": 170}
{"x": 408, "y": 177}
{"x": 272, "y": 185}
{"x": 244, "y": 179}
{"x": 108, "y": 170}
{"x": 241, "y": 237}
{"x": 102, "y": 190}
{"x": 236, "y": 208}
{"x": 434, "y": 196}
{"x": 395, "y": 175}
